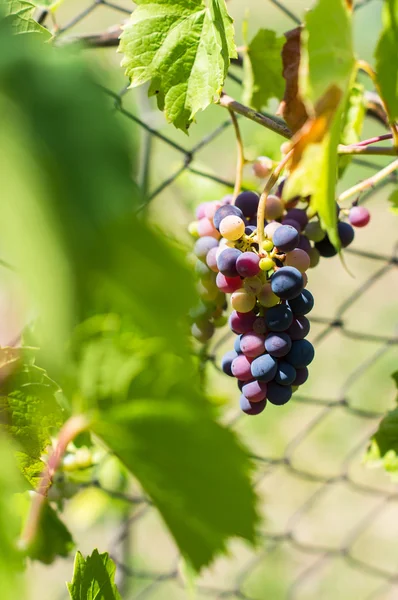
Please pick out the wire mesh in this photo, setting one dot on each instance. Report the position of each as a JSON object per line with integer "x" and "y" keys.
{"x": 330, "y": 528}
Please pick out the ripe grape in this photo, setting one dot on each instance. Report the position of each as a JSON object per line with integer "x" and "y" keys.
{"x": 227, "y": 360}
{"x": 287, "y": 283}
{"x": 259, "y": 325}
{"x": 247, "y": 264}
{"x": 237, "y": 344}
{"x": 273, "y": 207}
{"x": 292, "y": 223}
{"x": 286, "y": 238}
{"x": 304, "y": 244}
{"x": 279, "y": 318}
{"x": 346, "y": 233}
{"x": 252, "y": 408}
{"x": 326, "y": 248}
{"x": 264, "y": 367}
{"x": 266, "y": 296}
{"x": 301, "y": 354}
{"x": 286, "y": 373}
{"x": 232, "y": 228}
{"x": 301, "y": 376}
{"x": 211, "y": 208}
{"x": 278, "y": 394}
{"x": 302, "y": 304}
{"x": 241, "y": 368}
{"x": 299, "y": 259}
{"x": 278, "y": 344}
{"x": 359, "y": 216}
{"x": 299, "y": 329}
{"x": 254, "y": 391}
{"x": 226, "y": 262}
{"x": 203, "y": 246}
{"x": 228, "y": 285}
{"x": 226, "y": 211}
{"x": 248, "y": 203}
{"x": 241, "y": 322}
{"x": 270, "y": 229}
{"x": 252, "y": 344}
{"x": 299, "y": 215}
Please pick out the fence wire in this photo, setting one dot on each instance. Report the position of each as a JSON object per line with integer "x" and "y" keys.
{"x": 331, "y": 526}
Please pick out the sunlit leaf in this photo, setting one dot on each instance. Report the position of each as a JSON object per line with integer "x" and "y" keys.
{"x": 20, "y": 13}
{"x": 352, "y": 122}
{"x": 386, "y": 58}
{"x": 93, "y": 578}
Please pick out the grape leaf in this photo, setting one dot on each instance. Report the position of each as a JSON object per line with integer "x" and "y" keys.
{"x": 352, "y": 122}
{"x": 186, "y": 60}
{"x": 292, "y": 108}
{"x": 326, "y": 68}
{"x": 30, "y": 413}
{"x": 386, "y": 57}
{"x": 93, "y": 578}
{"x": 393, "y": 200}
{"x": 262, "y": 65}
{"x": 20, "y": 12}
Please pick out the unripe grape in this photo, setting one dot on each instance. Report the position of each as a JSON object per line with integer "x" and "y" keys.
{"x": 232, "y": 228}
{"x": 314, "y": 231}
{"x": 267, "y": 245}
{"x": 193, "y": 229}
{"x": 266, "y": 264}
{"x": 262, "y": 167}
{"x": 266, "y": 297}
{"x": 252, "y": 284}
{"x": 314, "y": 257}
{"x": 243, "y": 301}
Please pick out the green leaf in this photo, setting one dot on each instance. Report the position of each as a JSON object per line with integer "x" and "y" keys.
{"x": 183, "y": 47}
{"x": 352, "y": 122}
{"x": 20, "y": 14}
{"x": 52, "y": 539}
{"x": 30, "y": 413}
{"x": 263, "y": 68}
{"x": 93, "y": 578}
{"x": 386, "y": 58}
{"x": 393, "y": 200}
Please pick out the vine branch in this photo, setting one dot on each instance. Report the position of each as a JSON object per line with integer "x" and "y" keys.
{"x": 370, "y": 182}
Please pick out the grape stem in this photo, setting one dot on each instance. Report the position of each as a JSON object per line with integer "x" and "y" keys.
{"x": 370, "y": 182}
{"x": 240, "y": 163}
{"x": 273, "y": 178}
{"x": 71, "y": 429}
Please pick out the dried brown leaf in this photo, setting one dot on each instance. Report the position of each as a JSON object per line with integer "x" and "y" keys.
{"x": 292, "y": 108}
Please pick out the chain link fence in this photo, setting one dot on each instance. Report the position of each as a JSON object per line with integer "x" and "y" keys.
{"x": 330, "y": 525}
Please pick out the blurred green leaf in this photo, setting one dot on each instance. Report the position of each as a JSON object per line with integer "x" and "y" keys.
{"x": 393, "y": 200}
{"x": 20, "y": 13}
{"x": 188, "y": 58}
{"x": 352, "y": 122}
{"x": 263, "y": 68}
{"x": 30, "y": 414}
{"x": 93, "y": 578}
{"x": 386, "y": 58}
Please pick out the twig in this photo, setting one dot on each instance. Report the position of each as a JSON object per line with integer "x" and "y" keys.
{"x": 368, "y": 150}
{"x": 240, "y": 163}
{"x": 69, "y": 431}
{"x": 370, "y": 182}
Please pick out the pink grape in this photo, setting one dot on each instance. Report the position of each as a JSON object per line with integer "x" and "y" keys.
{"x": 359, "y": 216}
{"x": 206, "y": 228}
{"x": 228, "y": 285}
{"x": 241, "y": 368}
{"x": 211, "y": 259}
{"x": 252, "y": 344}
{"x": 247, "y": 264}
{"x": 273, "y": 207}
{"x": 255, "y": 391}
{"x": 299, "y": 259}
{"x": 241, "y": 322}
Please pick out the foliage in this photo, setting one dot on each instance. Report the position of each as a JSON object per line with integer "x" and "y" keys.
{"x": 386, "y": 54}
{"x": 93, "y": 578}
{"x": 20, "y": 13}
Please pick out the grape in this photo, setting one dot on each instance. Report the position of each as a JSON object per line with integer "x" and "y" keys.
{"x": 228, "y": 285}
{"x": 193, "y": 229}
{"x": 249, "y": 229}
{"x": 206, "y": 228}
{"x": 326, "y": 248}
{"x": 267, "y": 245}
{"x": 220, "y": 321}
{"x": 237, "y": 345}
{"x": 203, "y": 246}
{"x": 254, "y": 391}
{"x": 248, "y": 203}
{"x": 208, "y": 294}
{"x": 253, "y": 284}
{"x": 247, "y": 264}
{"x": 304, "y": 244}
{"x": 278, "y": 394}
{"x": 346, "y": 234}
{"x": 273, "y": 207}
{"x": 243, "y": 301}
{"x": 266, "y": 296}
{"x": 266, "y": 264}
{"x": 252, "y": 408}
{"x": 211, "y": 259}
{"x": 299, "y": 329}
{"x": 286, "y": 238}
{"x": 211, "y": 209}
{"x": 203, "y": 331}
{"x": 202, "y": 269}
{"x": 278, "y": 344}
{"x": 299, "y": 215}
{"x": 241, "y": 367}
{"x": 252, "y": 344}
{"x": 314, "y": 257}
{"x": 292, "y": 223}
{"x": 200, "y": 210}
{"x": 299, "y": 259}
{"x": 262, "y": 167}
{"x": 226, "y": 261}
{"x": 359, "y": 216}
{"x": 228, "y": 199}
{"x": 242, "y": 383}
{"x": 203, "y": 311}
{"x": 286, "y": 374}
{"x": 241, "y": 322}
{"x": 259, "y": 325}
{"x": 303, "y": 304}
{"x": 301, "y": 354}
{"x": 226, "y": 211}
{"x": 301, "y": 376}
{"x": 287, "y": 283}
{"x": 270, "y": 229}
{"x": 314, "y": 231}
{"x": 279, "y": 318}
{"x": 232, "y": 228}
{"x": 227, "y": 360}
{"x": 264, "y": 367}
{"x": 305, "y": 279}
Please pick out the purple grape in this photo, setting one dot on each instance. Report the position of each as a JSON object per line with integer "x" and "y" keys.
{"x": 252, "y": 344}
{"x": 226, "y": 262}
{"x": 279, "y": 317}
{"x": 278, "y": 394}
{"x": 247, "y": 264}
{"x": 292, "y": 223}
{"x": 237, "y": 344}
{"x": 278, "y": 344}
{"x": 264, "y": 368}
{"x": 303, "y": 304}
{"x": 249, "y": 229}
{"x": 301, "y": 354}
{"x": 241, "y": 368}
{"x": 226, "y": 211}
{"x": 226, "y": 362}
{"x": 326, "y": 248}
{"x": 299, "y": 329}
{"x": 286, "y": 373}
{"x": 299, "y": 215}
{"x": 286, "y": 238}
{"x": 301, "y": 376}
{"x": 241, "y": 322}
{"x": 252, "y": 408}
{"x": 346, "y": 234}
{"x": 203, "y": 245}
{"x": 287, "y": 283}
{"x": 304, "y": 244}
{"x": 255, "y": 391}
{"x": 248, "y": 203}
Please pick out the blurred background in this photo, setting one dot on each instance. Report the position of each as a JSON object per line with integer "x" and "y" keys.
{"x": 330, "y": 523}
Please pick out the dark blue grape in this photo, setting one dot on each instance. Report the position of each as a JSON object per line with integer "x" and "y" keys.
{"x": 286, "y": 373}
{"x": 301, "y": 376}
{"x": 286, "y": 238}
{"x": 279, "y": 317}
{"x": 287, "y": 283}
{"x": 346, "y": 234}
{"x": 226, "y": 211}
{"x": 304, "y": 244}
{"x": 299, "y": 329}
{"x": 248, "y": 203}
{"x": 299, "y": 215}
{"x": 264, "y": 368}
{"x": 237, "y": 345}
{"x": 227, "y": 361}
{"x": 203, "y": 245}
{"x": 301, "y": 354}
{"x": 250, "y": 229}
{"x": 277, "y": 344}
{"x": 226, "y": 262}
{"x": 303, "y": 304}
{"x": 241, "y": 384}
{"x": 252, "y": 408}
{"x": 278, "y": 394}
{"x": 326, "y": 248}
